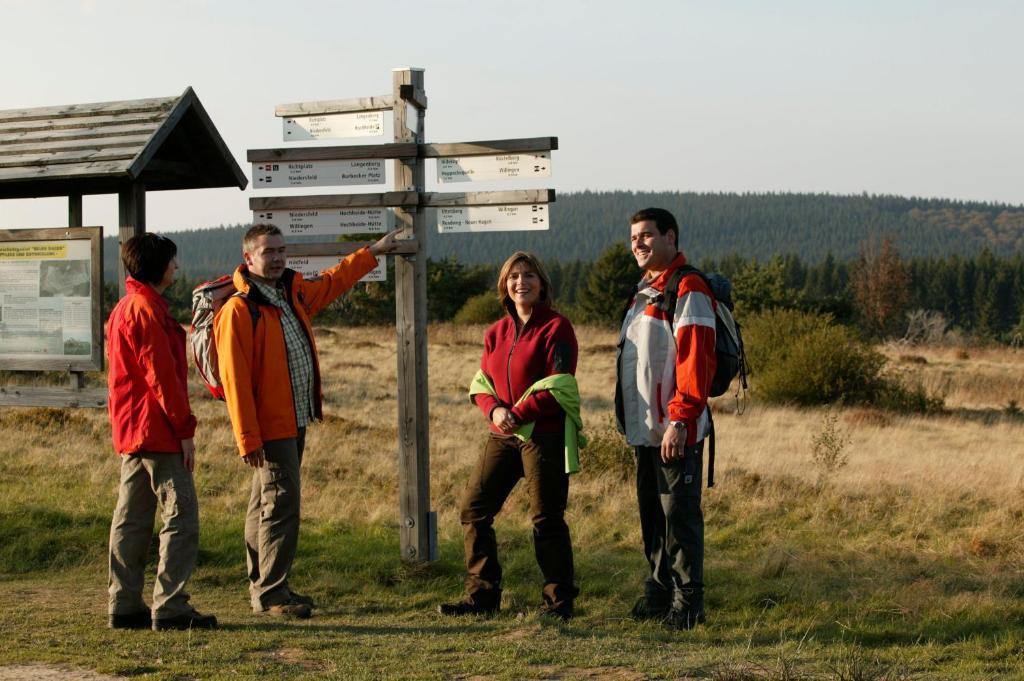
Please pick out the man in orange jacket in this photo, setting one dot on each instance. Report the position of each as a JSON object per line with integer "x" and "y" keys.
{"x": 268, "y": 366}
{"x": 152, "y": 427}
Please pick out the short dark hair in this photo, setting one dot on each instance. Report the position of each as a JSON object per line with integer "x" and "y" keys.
{"x": 146, "y": 256}
{"x": 256, "y": 231}
{"x": 661, "y": 218}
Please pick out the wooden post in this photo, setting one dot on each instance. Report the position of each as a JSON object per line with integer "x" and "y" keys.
{"x": 75, "y": 210}
{"x": 418, "y": 532}
{"x": 131, "y": 213}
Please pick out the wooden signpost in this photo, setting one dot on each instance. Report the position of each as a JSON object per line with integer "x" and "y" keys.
{"x": 339, "y": 214}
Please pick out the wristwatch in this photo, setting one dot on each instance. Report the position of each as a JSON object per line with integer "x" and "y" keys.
{"x": 678, "y": 425}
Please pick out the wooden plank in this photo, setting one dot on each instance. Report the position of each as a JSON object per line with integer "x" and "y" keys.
{"x": 59, "y": 157}
{"x": 490, "y": 147}
{"x": 405, "y": 247}
{"x": 131, "y": 216}
{"x": 32, "y": 396}
{"x": 411, "y": 326}
{"x": 131, "y": 106}
{"x": 357, "y": 151}
{"x": 414, "y": 95}
{"x": 80, "y": 123}
{"x": 73, "y": 144}
{"x": 332, "y": 106}
{"x": 381, "y": 200}
{"x": 64, "y": 170}
{"x": 85, "y": 133}
{"x": 506, "y": 198}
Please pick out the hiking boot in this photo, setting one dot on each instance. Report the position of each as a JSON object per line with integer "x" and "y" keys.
{"x": 135, "y": 620}
{"x": 187, "y": 620}
{"x": 295, "y": 597}
{"x": 684, "y": 619}
{"x": 654, "y": 605}
{"x": 562, "y": 612}
{"x": 291, "y": 609}
{"x": 479, "y": 603}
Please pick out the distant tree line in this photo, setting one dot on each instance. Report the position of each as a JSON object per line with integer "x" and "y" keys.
{"x": 714, "y": 227}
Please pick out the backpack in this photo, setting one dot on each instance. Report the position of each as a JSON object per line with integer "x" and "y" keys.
{"x": 207, "y": 299}
{"x": 730, "y": 358}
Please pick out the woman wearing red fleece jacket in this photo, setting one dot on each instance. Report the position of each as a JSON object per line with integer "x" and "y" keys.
{"x": 529, "y": 343}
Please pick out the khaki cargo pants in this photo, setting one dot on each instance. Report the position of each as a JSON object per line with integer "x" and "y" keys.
{"x": 272, "y": 522}
{"x": 149, "y": 478}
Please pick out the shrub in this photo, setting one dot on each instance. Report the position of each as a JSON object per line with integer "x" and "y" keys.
{"x": 607, "y": 451}
{"x": 804, "y": 358}
{"x": 480, "y": 309}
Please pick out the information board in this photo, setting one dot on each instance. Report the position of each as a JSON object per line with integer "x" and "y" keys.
{"x": 492, "y": 218}
{"x": 328, "y": 221}
{"x": 333, "y": 126}
{"x": 502, "y": 167}
{"x": 49, "y": 307}
{"x": 313, "y": 265}
{"x": 318, "y": 173}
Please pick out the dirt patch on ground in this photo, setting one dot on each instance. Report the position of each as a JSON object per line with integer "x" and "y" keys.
{"x": 50, "y": 672}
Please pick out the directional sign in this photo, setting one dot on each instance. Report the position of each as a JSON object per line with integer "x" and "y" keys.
{"x": 492, "y": 218}
{"x": 503, "y": 167}
{"x": 313, "y": 265}
{"x": 317, "y": 173}
{"x": 333, "y": 126}
{"x": 328, "y": 221}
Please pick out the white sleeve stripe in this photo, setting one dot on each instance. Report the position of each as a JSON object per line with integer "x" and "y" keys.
{"x": 694, "y": 308}
{"x": 695, "y": 321}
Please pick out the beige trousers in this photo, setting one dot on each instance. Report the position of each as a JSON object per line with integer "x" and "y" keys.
{"x": 272, "y": 522}
{"x": 146, "y": 479}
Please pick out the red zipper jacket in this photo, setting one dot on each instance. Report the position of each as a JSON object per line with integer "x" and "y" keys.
{"x": 516, "y": 358}
{"x": 147, "y": 374}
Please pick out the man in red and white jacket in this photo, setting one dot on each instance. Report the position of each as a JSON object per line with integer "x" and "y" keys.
{"x": 665, "y": 364}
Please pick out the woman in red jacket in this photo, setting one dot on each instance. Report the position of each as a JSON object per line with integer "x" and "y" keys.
{"x": 529, "y": 343}
{"x": 152, "y": 426}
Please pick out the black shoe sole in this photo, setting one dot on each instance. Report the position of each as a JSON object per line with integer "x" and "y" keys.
{"x": 139, "y": 620}
{"x": 182, "y": 625}
{"x": 455, "y": 611}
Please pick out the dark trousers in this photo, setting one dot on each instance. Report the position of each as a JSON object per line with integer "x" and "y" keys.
{"x": 541, "y": 460}
{"x": 672, "y": 524}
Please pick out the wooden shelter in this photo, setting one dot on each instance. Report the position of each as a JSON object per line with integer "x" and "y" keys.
{"x": 125, "y": 148}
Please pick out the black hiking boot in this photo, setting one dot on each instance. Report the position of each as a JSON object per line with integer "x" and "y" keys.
{"x": 687, "y": 610}
{"x": 479, "y": 603}
{"x": 135, "y": 620}
{"x": 654, "y": 605}
{"x": 188, "y": 620}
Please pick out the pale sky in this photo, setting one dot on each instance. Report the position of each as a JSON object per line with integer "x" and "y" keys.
{"x": 909, "y": 98}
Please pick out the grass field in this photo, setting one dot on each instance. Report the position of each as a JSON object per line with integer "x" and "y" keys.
{"x": 907, "y": 562}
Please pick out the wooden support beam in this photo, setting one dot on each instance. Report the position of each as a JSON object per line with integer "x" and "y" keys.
{"x": 525, "y": 145}
{"x": 382, "y": 200}
{"x": 32, "y": 396}
{"x": 131, "y": 214}
{"x": 414, "y": 96}
{"x": 341, "y": 248}
{"x": 416, "y": 528}
{"x": 335, "y": 106}
{"x": 75, "y": 210}
{"x": 361, "y": 151}
{"x": 518, "y": 197}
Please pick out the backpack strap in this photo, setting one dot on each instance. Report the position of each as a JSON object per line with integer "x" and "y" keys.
{"x": 254, "y": 310}
{"x": 668, "y": 304}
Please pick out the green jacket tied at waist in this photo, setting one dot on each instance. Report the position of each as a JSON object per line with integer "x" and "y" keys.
{"x": 566, "y": 391}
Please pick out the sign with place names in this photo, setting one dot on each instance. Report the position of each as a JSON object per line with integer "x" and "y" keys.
{"x": 313, "y": 265}
{"x": 333, "y": 126}
{"x": 328, "y": 221}
{"x": 492, "y": 218}
{"x": 501, "y": 167}
{"x": 317, "y": 173}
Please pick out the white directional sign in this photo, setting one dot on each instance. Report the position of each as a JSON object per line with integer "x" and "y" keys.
{"x": 313, "y": 265}
{"x": 503, "y": 167}
{"x": 333, "y": 126}
{"x": 317, "y": 173}
{"x": 492, "y": 218}
{"x": 328, "y": 221}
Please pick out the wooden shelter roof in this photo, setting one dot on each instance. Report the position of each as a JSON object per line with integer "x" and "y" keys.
{"x": 164, "y": 143}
